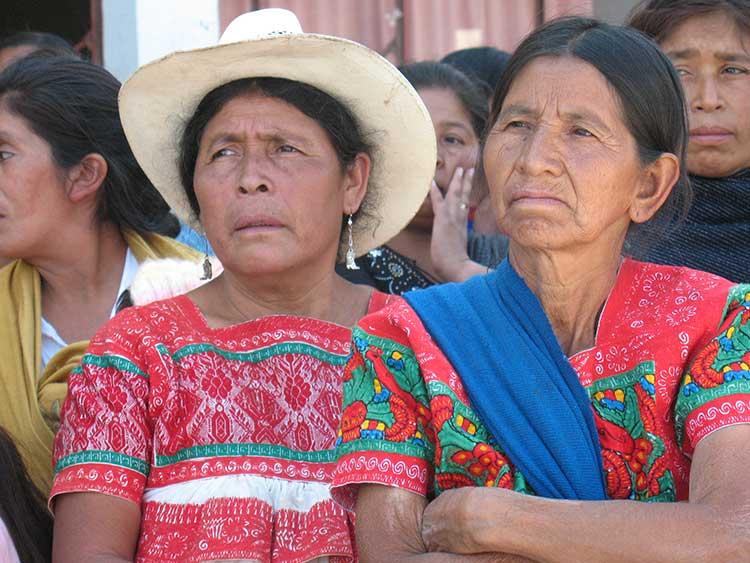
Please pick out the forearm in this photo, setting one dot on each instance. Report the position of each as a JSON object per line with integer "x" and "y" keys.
{"x": 558, "y": 530}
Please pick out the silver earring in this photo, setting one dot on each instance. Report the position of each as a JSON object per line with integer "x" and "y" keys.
{"x": 350, "y": 256}
{"x": 208, "y": 271}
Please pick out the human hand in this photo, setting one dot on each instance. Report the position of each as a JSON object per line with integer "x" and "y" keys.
{"x": 468, "y": 521}
{"x": 449, "y": 229}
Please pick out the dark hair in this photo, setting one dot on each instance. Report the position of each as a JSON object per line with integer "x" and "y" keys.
{"x": 659, "y": 18}
{"x": 646, "y": 84}
{"x": 48, "y": 42}
{"x": 482, "y": 64}
{"x": 432, "y": 74}
{"x": 341, "y": 126}
{"x": 23, "y": 508}
{"x": 72, "y": 105}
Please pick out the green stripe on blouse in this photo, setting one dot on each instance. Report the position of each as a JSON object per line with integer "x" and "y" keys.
{"x": 109, "y": 361}
{"x": 622, "y": 379}
{"x": 385, "y": 446}
{"x": 261, "y": 354}
{"x": 239, "y": 450}
{"x": 102, "y": 456}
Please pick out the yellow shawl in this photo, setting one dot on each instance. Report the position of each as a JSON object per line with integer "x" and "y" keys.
{"x": 29, "y": 401}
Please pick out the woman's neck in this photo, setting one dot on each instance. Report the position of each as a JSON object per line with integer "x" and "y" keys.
{"x": 572, "y": 288}
{"x": 81, "y": 271}
{"x": 232, "y": 299}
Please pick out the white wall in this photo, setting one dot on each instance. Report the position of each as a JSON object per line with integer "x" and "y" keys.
{"x": 138, "y": 31}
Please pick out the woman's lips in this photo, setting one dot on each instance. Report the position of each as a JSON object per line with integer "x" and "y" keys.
{"x": 257, "y": 224}
{"x": 710, "y": 135}
{"x": 535, "y": 198}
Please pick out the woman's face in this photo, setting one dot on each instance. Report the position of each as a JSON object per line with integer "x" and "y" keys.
{"x": 711, "y": 55}
{"x": 270, "y": 187}
{"x": 457, "y": 143}
{"x": 32, "y": 189}
{"x": 561, "y": 165}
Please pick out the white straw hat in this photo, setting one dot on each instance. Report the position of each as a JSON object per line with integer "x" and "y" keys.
{"x": 160, "y": 97}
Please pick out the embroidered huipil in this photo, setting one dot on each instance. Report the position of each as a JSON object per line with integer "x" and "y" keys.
{"x": 670, "y": 365}
{"x": 224, "y": 436}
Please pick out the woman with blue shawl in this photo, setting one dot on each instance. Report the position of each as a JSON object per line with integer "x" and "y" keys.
{"x": 561, "y": 407}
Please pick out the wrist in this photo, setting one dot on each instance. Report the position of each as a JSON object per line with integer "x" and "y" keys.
{"x": 518, "y": 520}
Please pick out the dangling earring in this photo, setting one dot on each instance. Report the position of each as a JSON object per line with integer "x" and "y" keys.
{"x": 208, "y": 270}
{"x": 350, "y": 256}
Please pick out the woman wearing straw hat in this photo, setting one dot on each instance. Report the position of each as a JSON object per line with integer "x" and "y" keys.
{"x": 202, "y": 427}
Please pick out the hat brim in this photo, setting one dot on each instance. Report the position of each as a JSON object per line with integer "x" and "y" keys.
{"x": 160, "y": 97}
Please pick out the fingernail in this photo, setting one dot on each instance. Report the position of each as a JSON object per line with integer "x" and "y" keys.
{"x": 460, "y": 171}
{"x": 471, "y": 171}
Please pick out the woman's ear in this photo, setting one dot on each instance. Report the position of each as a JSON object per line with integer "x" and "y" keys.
{"x": 356, "y": 178}
{"x": 86, "y": 177}
{"x": 654, "y": 187}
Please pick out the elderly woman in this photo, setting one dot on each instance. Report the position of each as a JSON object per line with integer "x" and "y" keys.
{"x": 202, "y": 427}
{"x": 79, "y": 214}
{"x": 708, "y": 42}
{"x": 492, "y": 419}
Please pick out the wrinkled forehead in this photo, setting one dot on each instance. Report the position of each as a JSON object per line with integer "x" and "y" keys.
{"x": 563, "y": 85}
{"x": 718, "y": 34}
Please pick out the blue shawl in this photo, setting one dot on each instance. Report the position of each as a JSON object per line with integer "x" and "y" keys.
{"x": 496, "y": 335}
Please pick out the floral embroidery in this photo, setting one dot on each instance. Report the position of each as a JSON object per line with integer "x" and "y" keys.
{"x": 430, "y": 417}
{"x": 632, "y": 451}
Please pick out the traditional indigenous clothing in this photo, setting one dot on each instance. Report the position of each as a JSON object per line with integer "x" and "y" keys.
{"x": 31, "y": 395}
{"x": 669, "y": 366}
{"x": 224, "y": 437}
{"x": 718, "y": 220}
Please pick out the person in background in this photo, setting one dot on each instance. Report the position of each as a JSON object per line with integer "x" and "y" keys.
{"x": 22, "y": 44}
{"x": 483, "y": 64}
{"x": 19, "y": 45}
{"x": 459, "y": 112}
{"x": 25, "y": 522}
{"x": 215, "y": 412}
{"x": 708, "y": 42}
{"x": 79, "y": 215}
{"x": 574, "y": 404}
{"x": 457, "y": 254}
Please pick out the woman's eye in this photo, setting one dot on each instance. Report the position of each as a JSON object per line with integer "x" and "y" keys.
{"x": 5, "y": 155}
{"x": 451, "y": 140}
{"x": 517, "y": 125}
{"x": 581, "y": 132}
{"x": 734, "y": 70}
{"x": 222, "y": 152}
{"x": 682, "y": 72}
{"x": 287, "y": 149}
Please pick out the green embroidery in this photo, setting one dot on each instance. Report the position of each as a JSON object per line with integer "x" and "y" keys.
{"x": 398, "y": 448}
{"x": 624, "y": 379}
{"x": 241, "y": 450}
{"x": 110, "y": 361}
{"x": 739, "y": 293}
{"x": 632, "y": 452}
{"x": 102, "y": 456}
{"x": 262, "y": 354}
{"x": 721, "y": 368}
